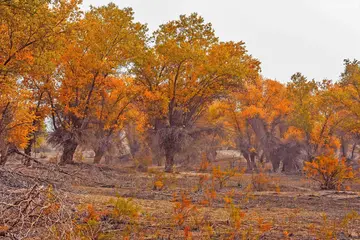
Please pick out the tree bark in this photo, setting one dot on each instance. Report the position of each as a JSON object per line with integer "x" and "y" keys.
{"x": 169, "y": 163}
{"x": 108, "y": 159}
{"x": 248, "y": 163}
{"x": 28, "y": 148}
{"x": 68, "y": 152}
{"x": 99, "y": 153}
{"x": 344, "y": 148}
{"x": 253, "y": 160}
{"x": 3, "y": 160}
{"x": 211, "y": 155}
{"x": 4, "y": 156}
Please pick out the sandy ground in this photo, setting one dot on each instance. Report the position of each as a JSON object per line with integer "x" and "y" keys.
{"x": 291, "y": 204}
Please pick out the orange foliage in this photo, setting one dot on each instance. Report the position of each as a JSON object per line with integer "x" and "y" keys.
{"x": 329, "y": 171}
{"x": 183, "y": 209}
{"x": 222, "y": 176}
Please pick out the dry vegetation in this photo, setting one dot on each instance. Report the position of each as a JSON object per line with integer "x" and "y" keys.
{"x": 102, "y": 202}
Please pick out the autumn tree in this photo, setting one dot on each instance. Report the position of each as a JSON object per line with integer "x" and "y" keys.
{"x": 330, "y": 171}
{"x": 115, "y": 111}
{"x": 346, "y": 95}
{"x": 185, "y": 70}
{"x": 317, "y": 119}
{"x": 27, "y": 28}
{"x": 263, "y": 106}
{"x": 101, "y": 47}
{"x": 237, "y": 132}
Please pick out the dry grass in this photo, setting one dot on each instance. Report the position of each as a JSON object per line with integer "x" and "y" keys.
{"x": 293, "y": 211}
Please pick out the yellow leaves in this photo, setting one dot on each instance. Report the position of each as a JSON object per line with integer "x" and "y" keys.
{"x": 253, "y": 112}
{"x": 158, "y": 185}
{"x": 17, "y": 119}
{"x": 25, "y": 56}
{"x": 236, "y": 217}
{"x": 286, "y": 234}
{"x": 216, "y": 111}
{"x": 228, "y": 199}
{"x": 158, "y": 181}
{"x": 264, "y": 226}
{"x": 124, "y": 209}
{"x": 183, "y": 209}
{"x": 221, "y": 176}
{"x": 294, "y": 133}
{"x": 329, "y": 171}
{"x": 187, "y": 67}
{"x": 320, "y": 135}
{"x": 187, "y": 233}
{"x": 204, "y": 164}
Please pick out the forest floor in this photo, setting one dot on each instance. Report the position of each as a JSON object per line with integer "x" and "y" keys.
{"x": 285, "y": 207}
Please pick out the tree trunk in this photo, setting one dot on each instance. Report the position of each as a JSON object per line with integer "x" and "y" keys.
{"x": 248, "y": 163}
{"x": 211, "y": 155}
{"x": 169, "y": 163}
{"x": 68, "y": 152}
{"x": 3, "y": 160}
{"x": 261, "y": 159}
{"x": 159, "y": 160}
{"x": 253, "y": 160}
{"x": 4, "y": 155}
{"x": 99, "y": 153}
{"x": 108, "y": 159}
{"x": 344, "y": 148}
{"x": 28, "y": 148}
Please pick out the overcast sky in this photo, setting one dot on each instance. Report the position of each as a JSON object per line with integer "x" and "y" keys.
{"x": 287, "y": 36}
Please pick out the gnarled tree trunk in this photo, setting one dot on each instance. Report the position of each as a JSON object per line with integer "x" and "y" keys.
{"x": 248, "y": 162}
{"x": 169, "y": 163}
{"x": 4, "y": 155}
{"x": 3, "y": 159}
{"x": 28, "y": 148}
{"x": 270, "y": 144}
{"x": 211, "y": 155}
{"x": 98, "y": 156}
{"x": 99, "y": 153}
{"x": 68, "y": 152}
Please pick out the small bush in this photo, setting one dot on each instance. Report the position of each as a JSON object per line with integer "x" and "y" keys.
{"x": 331, "y": 229}
{"x": 158, "y": 181}
{"x": 222, "y": 177}
{"x": 329, "y": 171}
{"x": 124, "y": 209}
{"x": 263, "y": 181}
{"x": 204, "y": 164}
{"x": 184, "y": 209}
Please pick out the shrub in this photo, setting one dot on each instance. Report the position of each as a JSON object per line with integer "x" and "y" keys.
{"x": 158, "y": 181}
{"x": 236, "y": 218}
{"x": 332, "y": 229}
{"x": 184, "y": 209}
{"x": 90, "y": 226}
{"x": 222, "y": 177}
{"x": 329, "y": 171}
{"x": 124, "y": 210}
{"x": 263, "y": 181}
{"x": 204, "y": 164}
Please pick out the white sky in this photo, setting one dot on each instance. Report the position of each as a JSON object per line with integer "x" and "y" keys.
{"x": 287, "y": 36}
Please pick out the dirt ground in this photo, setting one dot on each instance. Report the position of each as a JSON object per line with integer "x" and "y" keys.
{"x": 291, "y": 206}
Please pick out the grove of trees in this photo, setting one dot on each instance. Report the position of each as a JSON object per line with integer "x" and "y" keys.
{"x": 92, "y": 78}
